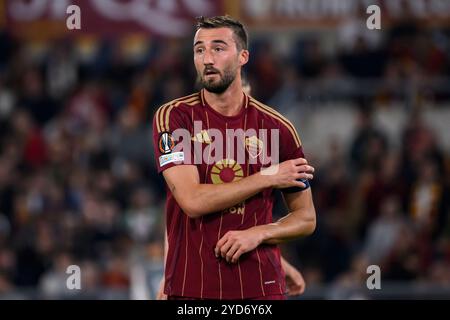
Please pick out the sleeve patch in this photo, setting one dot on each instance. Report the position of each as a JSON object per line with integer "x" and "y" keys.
{"x": 166, "y": 143}
{"x": 171, "y": 157}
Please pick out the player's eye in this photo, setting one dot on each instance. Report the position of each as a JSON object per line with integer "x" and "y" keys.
{"x": 218, "y": 49}
{"x": 199, "y": 50}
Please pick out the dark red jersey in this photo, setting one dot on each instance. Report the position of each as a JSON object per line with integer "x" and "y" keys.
{"x": 187, "y": 131}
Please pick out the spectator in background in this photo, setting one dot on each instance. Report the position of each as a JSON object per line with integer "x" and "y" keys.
{"x": 369, "y": 144}
{"x": 143, "y": 220}
{"x": 428, "y": 205}
{"x": 384, "y": 183}
{"x": 61, "y": 71}
{"x": 53, "y": 282}
{"x": 35, "y": 99}
{"x": 127, "y": 138}
{"x": 384, "y": 231}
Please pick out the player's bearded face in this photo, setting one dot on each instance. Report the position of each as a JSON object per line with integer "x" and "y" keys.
{"x": 221, "y": 80}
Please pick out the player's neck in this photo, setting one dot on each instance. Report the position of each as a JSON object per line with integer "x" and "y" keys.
{"x": 228, "y": 103}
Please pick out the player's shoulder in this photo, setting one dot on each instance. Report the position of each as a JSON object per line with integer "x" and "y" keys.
{"x": 175, "y": 110}
{"x": 186, "y": 101}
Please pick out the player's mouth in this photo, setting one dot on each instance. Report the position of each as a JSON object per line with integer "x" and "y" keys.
{"x": 210, "y": 72}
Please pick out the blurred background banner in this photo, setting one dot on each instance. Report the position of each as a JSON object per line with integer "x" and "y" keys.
{"x": 172, "y": 18}
{"x": 78, "y": 183}
{"x": 41, "y": 18}
{"x": 332, "y": 13}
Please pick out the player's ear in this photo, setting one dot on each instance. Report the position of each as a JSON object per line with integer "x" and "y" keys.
{"x": 243, "y": 57}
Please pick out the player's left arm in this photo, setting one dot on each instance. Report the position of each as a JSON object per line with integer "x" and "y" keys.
{"x": 295, "y": 283}
{"x": 160, "y": 295}
{"x": 300, "y": 221}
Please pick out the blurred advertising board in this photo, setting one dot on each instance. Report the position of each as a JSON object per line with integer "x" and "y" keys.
{"x": 330, "y": 13}
{"x": 47, "y": 18}
{"x": 174, "y": 18}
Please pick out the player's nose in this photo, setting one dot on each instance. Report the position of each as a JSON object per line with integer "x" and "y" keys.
{"x": 208, "y": 58}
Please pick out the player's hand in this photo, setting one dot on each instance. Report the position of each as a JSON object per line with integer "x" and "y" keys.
{"x": 235, "y": 243}
{"x": 295, "y": 283}
{"x": 287, "y": 173}
{"x": 161, "y": 295}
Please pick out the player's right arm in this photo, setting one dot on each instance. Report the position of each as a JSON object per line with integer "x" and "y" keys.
{"x": 198, "y": 199}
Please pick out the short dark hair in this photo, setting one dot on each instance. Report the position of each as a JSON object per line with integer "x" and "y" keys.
{"x": 240, "y": 33}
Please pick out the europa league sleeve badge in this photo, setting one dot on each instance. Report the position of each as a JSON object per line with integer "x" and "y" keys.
{"x": 166, "y": 143}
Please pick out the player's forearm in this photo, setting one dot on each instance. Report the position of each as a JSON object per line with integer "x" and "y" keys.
{"x": 209, "y": 198}
{"x": 284, "y": 263}
{"x": 292, "y": 226}
{"x": 286, "y": 266}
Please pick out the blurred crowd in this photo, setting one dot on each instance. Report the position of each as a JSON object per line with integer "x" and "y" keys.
{"x": 382, "y": 206}
{"x": 78, "y": 183}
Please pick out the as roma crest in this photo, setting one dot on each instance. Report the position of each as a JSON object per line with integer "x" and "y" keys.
{"x": 254, "y": 146}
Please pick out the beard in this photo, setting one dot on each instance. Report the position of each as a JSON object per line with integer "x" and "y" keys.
{"x": 218, "y": 86}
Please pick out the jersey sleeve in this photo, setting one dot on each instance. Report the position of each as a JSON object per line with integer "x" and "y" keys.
{"x": 291, "y": 148}
{"x": 171, "y": 138}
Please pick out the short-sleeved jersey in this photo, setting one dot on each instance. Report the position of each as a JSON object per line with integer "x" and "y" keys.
{"x": 187, "y": 131}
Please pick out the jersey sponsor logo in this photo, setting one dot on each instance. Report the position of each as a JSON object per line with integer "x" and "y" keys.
{"x": 171, "y": 157}
{"x": 237, "y": 209}
{"x": 254, "y": 146}
{"x": 166, "y": 142}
